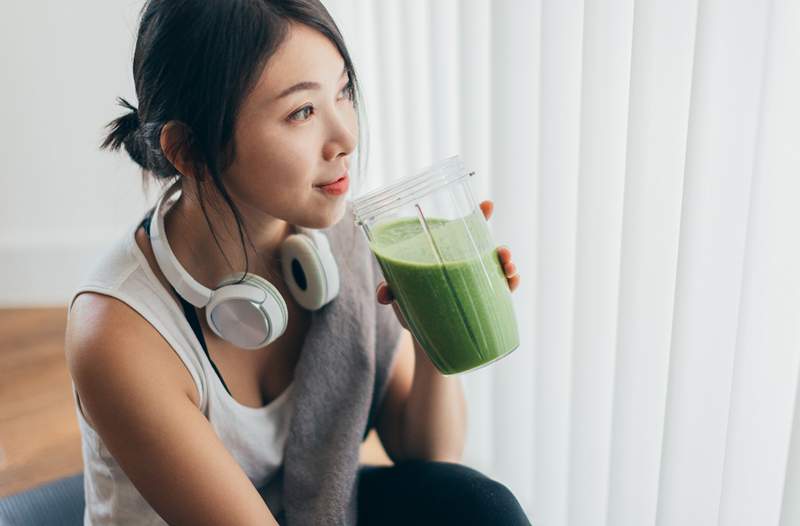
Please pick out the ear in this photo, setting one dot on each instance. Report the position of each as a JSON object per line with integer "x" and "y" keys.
{"x": 175, "y": 142}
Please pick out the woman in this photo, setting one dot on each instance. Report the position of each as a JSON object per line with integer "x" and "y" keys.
{"x": 248, "y": 108}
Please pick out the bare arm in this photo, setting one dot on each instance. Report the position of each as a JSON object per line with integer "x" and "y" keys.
{"x": 126, "y": 384}
{"x": 424, "y": 413}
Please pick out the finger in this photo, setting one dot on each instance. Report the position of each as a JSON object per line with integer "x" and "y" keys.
{"x": 513, "y": 282}
{"x": 510, "y": 269}
{"x": 504, "y": 253}
{"x": 487, "y": 207}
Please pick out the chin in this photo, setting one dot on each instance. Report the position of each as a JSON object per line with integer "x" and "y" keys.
{"x": 327, "y": 216}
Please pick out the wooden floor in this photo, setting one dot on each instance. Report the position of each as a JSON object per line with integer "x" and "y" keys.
{"x": 39, "y": 436}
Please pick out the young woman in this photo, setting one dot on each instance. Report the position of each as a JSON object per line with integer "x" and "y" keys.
{"x": 189, "y": 414}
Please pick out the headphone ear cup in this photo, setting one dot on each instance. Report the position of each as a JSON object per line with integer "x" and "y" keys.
{"x": 310, "y": 272}
{"x": 251, "y": 314}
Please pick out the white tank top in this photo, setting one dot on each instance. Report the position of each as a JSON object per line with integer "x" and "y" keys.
{"x": 255, "y": 437}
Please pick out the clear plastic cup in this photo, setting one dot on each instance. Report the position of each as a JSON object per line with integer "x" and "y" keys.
{"x": 433, "y": 244}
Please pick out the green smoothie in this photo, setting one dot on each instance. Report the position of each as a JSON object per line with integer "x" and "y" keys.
{"x": 452, "y": 291}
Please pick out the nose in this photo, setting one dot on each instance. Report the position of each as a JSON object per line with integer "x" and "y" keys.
{"x": 342, "y": 138}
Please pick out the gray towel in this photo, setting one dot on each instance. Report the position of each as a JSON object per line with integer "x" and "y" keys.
{"x": 340, "y": 380}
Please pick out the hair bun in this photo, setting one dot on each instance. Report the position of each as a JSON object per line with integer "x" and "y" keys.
{"x": 134, "y": 112}
{"x": 124, "y": 132}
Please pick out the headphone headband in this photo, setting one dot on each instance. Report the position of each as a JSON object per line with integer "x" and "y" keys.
{"x": 190, "y": 289}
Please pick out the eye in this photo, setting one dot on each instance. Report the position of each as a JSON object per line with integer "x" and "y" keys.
{"x": 300, "y": 111}
{"x": 349, "y": 93}
{"x": 349, "y": 90}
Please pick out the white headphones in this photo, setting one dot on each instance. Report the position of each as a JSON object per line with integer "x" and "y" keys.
{"x": 252, "y": 314}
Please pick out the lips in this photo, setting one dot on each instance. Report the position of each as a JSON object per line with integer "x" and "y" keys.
{"x": 333, "y": 180}
{"x": 338, "y": 187}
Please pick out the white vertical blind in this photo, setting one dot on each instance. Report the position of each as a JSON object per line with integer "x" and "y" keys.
{"x": 767, "y": 360}
{"x": 445, "y": 77}
{"x": 560, "y": 101}
{"x": 644, "y": 160}
{"x": 658, "y": 119}
{"x": 726, "y": 95}
{"x": 606, "y": 59}
{"x": 390, "y": 94}
{"x": 514, "y": 144}
{"x": 417, "y": 76}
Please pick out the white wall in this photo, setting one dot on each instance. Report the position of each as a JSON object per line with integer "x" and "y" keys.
{"x": 63, "y": 200}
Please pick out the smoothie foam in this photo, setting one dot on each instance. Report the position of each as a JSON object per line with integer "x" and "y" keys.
{"x": 452, "y": 292}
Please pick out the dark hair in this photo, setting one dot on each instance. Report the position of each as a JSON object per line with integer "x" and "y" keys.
{"x": 195, "y": 61}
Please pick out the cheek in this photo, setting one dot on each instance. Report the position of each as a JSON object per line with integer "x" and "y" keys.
{"x": 275, "y": 157}
{"x": 267, "y": 172}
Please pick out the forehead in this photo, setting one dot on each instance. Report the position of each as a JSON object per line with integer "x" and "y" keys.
{"x": 304, "y": 55}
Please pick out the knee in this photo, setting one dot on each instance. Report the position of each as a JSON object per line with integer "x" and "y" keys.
{"x": 478, "y": 498}
{"x": 491, "y": 502}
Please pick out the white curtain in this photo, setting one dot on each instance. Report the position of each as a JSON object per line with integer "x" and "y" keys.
{"x": 644, "y": 160}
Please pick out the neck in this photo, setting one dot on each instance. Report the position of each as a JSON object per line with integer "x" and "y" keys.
{"x": 192, "y": 241}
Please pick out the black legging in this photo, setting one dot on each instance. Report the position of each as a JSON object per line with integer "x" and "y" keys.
{"x": 421, "y": 492}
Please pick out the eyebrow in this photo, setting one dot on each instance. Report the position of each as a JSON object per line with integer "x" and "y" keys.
{"x": 305, "y": 85}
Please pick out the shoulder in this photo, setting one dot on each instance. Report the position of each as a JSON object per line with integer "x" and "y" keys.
{"x": 106, "y": 338}
{"x": 127, "y": 384}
